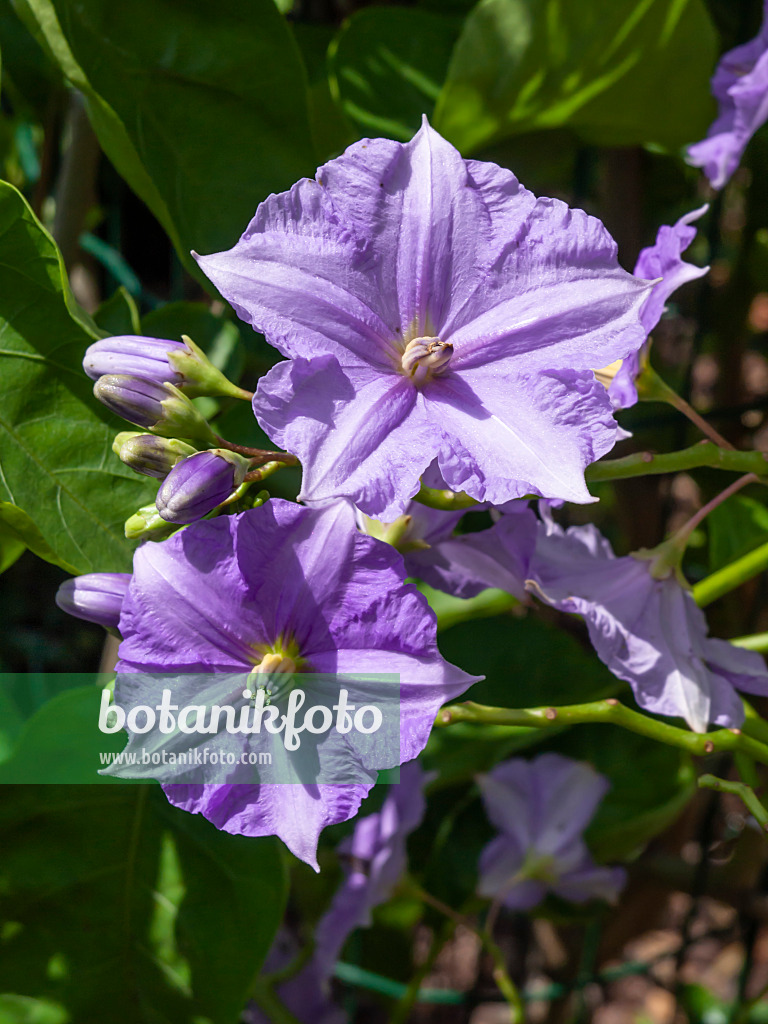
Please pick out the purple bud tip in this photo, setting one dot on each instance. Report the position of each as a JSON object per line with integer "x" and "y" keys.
{"x": 96, "y": 597}
{"x": 137, "y": 356}
{"x": 135, "y": 399}
{"x": 195, "y": 487}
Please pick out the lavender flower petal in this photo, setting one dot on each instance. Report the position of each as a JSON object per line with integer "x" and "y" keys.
{"x": 740, "y": 85}
{"x": 660, "y": 260}
{"x": 648, "y": 632}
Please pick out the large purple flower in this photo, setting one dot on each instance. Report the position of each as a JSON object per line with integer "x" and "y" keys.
{"x": 431, "y": 307}
{"x": 298, "y": 590}
{"x": 375, "y": 858}
{"x": 740, "y": 86}
{"x": 465, "y": 564}
{"x": 663, "y": 261}
{"x": 648, "y": 631}
{"x": 541, "y": 809}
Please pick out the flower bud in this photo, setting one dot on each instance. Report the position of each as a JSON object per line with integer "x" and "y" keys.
{"x": 147, "y": 523}
{"x": 200, "y": 484}
{"x": 95, "y": 597}
{"x": 181, "y": 363}
{"x": 161, "y": 408}
{"x": 152, "y": 455}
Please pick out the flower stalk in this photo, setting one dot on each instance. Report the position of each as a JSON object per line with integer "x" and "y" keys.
{"x": 703, "y": 454}
{"x": 740, "y": 789}
{"x": 611, "y": 712}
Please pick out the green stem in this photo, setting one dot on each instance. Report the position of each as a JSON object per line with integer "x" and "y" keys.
{"x": 741, "y": 790}
{"x": 703, "y": 454}
{"x": 256, "y": 475}
{"x": 731, "y": 576}
{"x": 610, "y": 712}
{"x": 754, "y": 642}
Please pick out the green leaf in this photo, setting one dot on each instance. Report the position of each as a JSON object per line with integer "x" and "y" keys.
{"x": 11, "y": 548}
{"x": 61, "y": 743}
{"x": 202, "y": 109}
{"x": 388, "y": 65}
{"x": 56, "y": 464}
{"x": 602, "y": 69}
{"x": 118, "y": 314}
{"x": 16, "y": 523}
{"x": 118, "y": 907}
{"x": 331, "y": 132}
{"x": 735, "y": 528}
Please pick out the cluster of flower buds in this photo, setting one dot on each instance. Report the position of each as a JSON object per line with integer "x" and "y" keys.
{"x": 148, "y": 382}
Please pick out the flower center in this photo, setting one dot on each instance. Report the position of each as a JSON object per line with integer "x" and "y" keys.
{"x": 274, "y": 673}
{"x": 424, "y": 358}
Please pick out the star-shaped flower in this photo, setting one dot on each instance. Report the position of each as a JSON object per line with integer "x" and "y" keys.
{"x": 541, "y": 809}
{"x": 289, "y": 590}
{"x": 432, "y": 308}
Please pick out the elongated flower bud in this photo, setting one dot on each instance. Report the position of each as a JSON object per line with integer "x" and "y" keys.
{"x": 200, "y": 484}
{"x": 95, "y": 597}
{"x": 181, "y": 363}
{"x": 161, "y": 408}
{"x": 152, "y": 455}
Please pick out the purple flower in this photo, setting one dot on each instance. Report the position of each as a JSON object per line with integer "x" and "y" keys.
{"x": 541, "y": 809}
{"x": 466, "y": 564}
{"x": 649, "y": 632}
{"x": 199, "y": 484}
{"x": 376, "y": 859}
{"x": 431, "y": 308}
{"x": 95, "y": 597}
{"x": 740, "y": 86}
{"x": 303, "y": 587}
{"x": 660, "y": 260}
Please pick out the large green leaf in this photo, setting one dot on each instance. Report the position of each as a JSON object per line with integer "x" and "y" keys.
{"x": 202, "y": 108}
{"x": 601, "y": 67}
{"x": 56, "y": 463}
{"x": 118, "y": 907}
{"x": 388, "y": 65}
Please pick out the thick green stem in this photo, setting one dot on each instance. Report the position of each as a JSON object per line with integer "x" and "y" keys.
{"x": 610, "y": 712}
{"x": 741, "y": 790}
{"x": 703, "y": 454}
{"x": 731, "y": 576}
{"x": 754, "y": 642}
